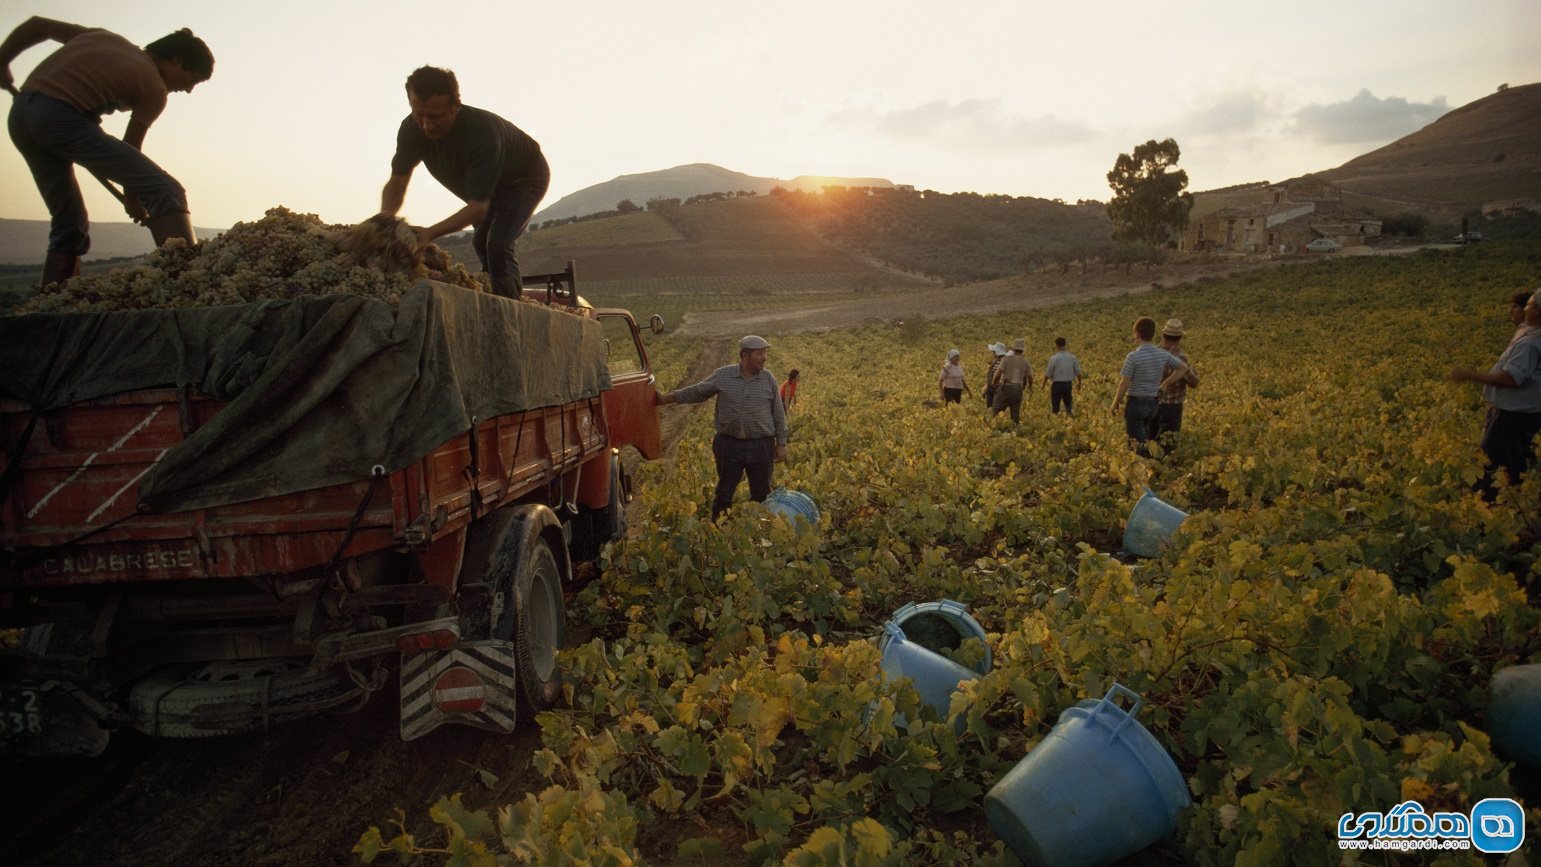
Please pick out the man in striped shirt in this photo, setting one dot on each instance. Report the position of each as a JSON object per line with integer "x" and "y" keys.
{"x": 1146, "y": 371}
{"x": 751, "y": 423}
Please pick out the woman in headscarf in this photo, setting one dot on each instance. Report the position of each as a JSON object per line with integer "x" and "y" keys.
{"x": 951, "y": 382}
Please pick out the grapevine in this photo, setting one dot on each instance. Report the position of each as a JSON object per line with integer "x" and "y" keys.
{"x": 1316, "y": 641}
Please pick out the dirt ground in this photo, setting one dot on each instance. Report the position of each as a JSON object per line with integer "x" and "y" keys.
{"x": 998, "y": 296}
{"x": 302, "y": 794}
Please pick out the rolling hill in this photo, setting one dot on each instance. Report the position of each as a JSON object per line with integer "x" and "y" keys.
{"x": 23, "y": 242}
{"x": 840, "y": 238}
{"x": 726, "y": 245}
{"x": 1485, "y": 151}
{"x": 682, "y": 182}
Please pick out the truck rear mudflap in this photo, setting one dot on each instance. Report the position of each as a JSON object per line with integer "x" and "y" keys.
{"x": 473, "y": 683}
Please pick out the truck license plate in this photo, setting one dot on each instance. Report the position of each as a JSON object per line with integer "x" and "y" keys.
{"x": 21, "y": 712}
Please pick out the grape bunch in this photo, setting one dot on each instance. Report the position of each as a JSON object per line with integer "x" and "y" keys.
{"x": 282, "y": 255}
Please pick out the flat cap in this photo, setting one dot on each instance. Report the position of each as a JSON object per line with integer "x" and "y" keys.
{"x": 752, "y": 342}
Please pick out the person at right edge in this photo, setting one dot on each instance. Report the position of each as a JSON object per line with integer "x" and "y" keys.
{"x": 1512, "y": 390}
{"x": 751, "y": 423}
{"x": 56, "y": 123}
{"x": 493, "y": 166}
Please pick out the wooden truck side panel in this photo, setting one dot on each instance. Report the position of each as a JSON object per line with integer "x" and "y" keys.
{"x": 71, "y": 510}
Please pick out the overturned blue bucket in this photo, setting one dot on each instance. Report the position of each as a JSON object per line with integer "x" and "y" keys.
{"x": 1514, "y": 714}
{"x": 942, "y": 626}
{"x": 792, "y": 505}
{"x": 935, "y": 676}
{"x": 1097, "y": 788}
{"x": 1152, "y": 523}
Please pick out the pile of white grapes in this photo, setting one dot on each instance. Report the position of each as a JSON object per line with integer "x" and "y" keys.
{"x": 282, "y": 255}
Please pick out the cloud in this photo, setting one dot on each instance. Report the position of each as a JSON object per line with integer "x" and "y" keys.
{"x": 1367, "y": 118}
{"x": 979, "y": 124}
{"x": 1230, "y": 113}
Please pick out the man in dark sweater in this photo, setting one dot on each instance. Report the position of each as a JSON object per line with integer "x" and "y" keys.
{"x": 492, "y": 165}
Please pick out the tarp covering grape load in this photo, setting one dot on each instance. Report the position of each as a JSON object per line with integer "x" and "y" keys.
{"x": 336, "y": 348}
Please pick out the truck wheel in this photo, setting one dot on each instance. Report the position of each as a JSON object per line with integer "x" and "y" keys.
{"x": 515, "y": 568}
{"x": 540, "y": 627}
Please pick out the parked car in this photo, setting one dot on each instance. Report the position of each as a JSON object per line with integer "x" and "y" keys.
{"x": 1324, "y": 245}
{"x": 1469, "y": 238}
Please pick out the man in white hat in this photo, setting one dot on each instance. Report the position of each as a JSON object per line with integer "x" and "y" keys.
{"x": 1169, "y": 401}
{"x": 751, "y": 423}
{"x": 1010, "y": 378}
{"x": 1512, "y": 389}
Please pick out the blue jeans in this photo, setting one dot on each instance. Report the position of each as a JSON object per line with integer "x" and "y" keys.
{"x": 1140, "y": 421}
{"x": 507, "y": 216}
{"x": 54, "y": 137}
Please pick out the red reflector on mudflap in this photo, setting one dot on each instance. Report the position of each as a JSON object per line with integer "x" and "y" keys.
{"x": 413, "y": 643}
{"x": 459, "y": 690}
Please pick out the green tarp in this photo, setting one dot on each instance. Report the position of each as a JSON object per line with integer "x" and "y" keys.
{"x": 320, "y": 388}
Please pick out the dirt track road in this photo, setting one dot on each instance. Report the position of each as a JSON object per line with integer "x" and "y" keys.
{"x": 1018, "y": 293}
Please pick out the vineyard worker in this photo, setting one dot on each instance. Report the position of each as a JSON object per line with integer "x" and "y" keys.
{"x": 751, "y": 424}
{"x": 789, "y": 391}
{"x": 1169, "y": 402}
{"x": 951, "y": 383}
{"x": 1062, "y": 374}
{"x": 1512, "y": 389}
{"x": 997, "y": 353}
{"x": 492, "y": 165}
{"x": 1146, "y": 370}
{"x": 1010, "y": 378}
{"x": 56, "y": 123}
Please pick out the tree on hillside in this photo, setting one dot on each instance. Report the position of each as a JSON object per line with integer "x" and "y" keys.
{"x": 627, "y": 206}
{"x": 1150, "y": 196}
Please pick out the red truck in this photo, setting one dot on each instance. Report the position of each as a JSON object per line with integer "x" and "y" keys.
{"x": 220, "y": 519}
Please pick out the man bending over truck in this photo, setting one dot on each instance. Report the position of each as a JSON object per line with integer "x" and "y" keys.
{"x": 492, "y": 165}
{"x": 56, "y": 120}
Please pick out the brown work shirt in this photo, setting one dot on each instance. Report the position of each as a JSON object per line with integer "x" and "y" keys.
{"x": 100, "y": 72}
{"x": 1014, "y": 370}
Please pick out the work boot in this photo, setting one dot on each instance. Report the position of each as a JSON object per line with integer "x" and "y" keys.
{"x": 168, "y": 226}
{"x": 59, "y": 267}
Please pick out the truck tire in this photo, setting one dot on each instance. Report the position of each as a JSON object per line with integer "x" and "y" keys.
{"x": 538, "y": 627}
{"x": 594, "y": 527}
{"x": 521, "y": 582}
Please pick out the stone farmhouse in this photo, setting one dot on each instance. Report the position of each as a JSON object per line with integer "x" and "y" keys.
{"x": 1288, "y": 217}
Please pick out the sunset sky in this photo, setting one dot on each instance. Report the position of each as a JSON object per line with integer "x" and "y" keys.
{"x": 1017, "y": 97}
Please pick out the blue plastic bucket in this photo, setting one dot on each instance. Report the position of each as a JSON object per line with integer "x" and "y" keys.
{"x": 1097, "y": 788}
{"x": 1151, "y": 525}
{"x": 1514, "y": 714}
{"x": 943, "y": 625}
{"x": 792, "y": 505}
{"x": 935, "y": 676}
